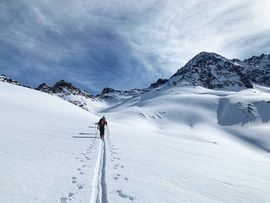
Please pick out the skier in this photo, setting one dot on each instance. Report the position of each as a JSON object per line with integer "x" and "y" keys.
{"x": 101, "y": 126}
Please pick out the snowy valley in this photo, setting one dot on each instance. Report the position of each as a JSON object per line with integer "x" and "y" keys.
{"x": 200, "y": 136}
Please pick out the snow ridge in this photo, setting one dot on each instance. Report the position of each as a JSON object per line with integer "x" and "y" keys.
{"x": 72, "y": 94}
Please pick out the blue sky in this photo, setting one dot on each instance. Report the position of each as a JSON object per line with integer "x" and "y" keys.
{"x": 123, "y": 44}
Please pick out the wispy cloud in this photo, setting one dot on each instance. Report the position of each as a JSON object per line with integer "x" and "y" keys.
{"x": 123, "y": 44}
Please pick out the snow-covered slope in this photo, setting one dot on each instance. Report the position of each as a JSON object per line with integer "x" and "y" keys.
{"x": 191, "y": 138}
{"x": 244, "y": 107}
{"x": 169, "y": 147}
{"x": 47, "y": 151}
{"x": 170, "y": 144}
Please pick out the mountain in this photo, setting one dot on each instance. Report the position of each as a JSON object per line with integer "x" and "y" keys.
{"x": 70, "y": 93}
{"x": 113, "y": 96}
{"x": 258, "y": 69}
{"x": 206, "y": 69}
{"x": 63, "y": 88}
{"x": 212, "y": 71}
{"x": 185, "y": 137}
{"x": 4, "y": 78}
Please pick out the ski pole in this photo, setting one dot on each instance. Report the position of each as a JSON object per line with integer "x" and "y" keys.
{"x": 96, "y": 129}
{"x": 109, "y": 135}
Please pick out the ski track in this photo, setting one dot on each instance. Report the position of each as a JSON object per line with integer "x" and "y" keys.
{"x": 99, "y": 186}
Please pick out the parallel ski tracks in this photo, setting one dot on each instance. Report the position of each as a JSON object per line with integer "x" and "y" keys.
{"x": 99, "y": 186}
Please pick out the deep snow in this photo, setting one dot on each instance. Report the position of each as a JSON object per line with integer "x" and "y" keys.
{"x": 168, "y": 145}
{"x": 47, "y": 151}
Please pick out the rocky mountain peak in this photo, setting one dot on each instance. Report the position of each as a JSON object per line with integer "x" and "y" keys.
{"x": 63, "y": 88}
{"x": 44, "y": 87}
{"x": 107, "y": 90}
{"x": 212, "y": 71}
{"x": 4, "y": 78}
{"x": 158, "y": 83}
{"x": 263, "y": 59}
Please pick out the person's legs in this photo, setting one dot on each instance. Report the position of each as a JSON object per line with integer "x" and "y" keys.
{"x": 101, "y": 133}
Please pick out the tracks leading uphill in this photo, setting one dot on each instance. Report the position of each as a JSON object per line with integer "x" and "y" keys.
{"x": 99, "y": 186}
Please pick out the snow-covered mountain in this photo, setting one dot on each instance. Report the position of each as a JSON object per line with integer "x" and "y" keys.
{"x": 206, "y": 69}
{"x": 4, "y": 78}
{"x": 213, "y": 71}
{"x": 257, "y": 68}
{"x": 166, "y": 143}
{"x": 70, "y": 93}
{"x": 115, "y": 97}
{"x": 63, "y": 88}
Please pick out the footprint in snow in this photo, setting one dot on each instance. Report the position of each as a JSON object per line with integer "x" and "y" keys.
{"x": 63, "y": 199}
{"x": 79, "y": 187}
{"x": 123, "y": 195}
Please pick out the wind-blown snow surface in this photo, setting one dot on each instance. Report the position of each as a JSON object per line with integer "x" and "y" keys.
{"x": 176, "y": 144}
{"x": 168, "y": 147}
{"x": 47, "y": 151}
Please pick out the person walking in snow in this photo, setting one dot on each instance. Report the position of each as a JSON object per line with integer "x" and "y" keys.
{"x": 101, "y": 127}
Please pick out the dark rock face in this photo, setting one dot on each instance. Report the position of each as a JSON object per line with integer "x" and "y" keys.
{"x": 213, "y": 72}
{"x": 258, "y": 69}
{"x": 107, "y": 90}
{"x": 4, "y": 78}
{"x": 158, "y": 83}
{"x": 63, "y": 88}
{"x": 44, "y": 88}
{"x": 67, "y": 91}
{"x": 109, "y": 93}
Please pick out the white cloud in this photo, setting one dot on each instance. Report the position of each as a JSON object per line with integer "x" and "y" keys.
{"x": 160, "y": 35}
